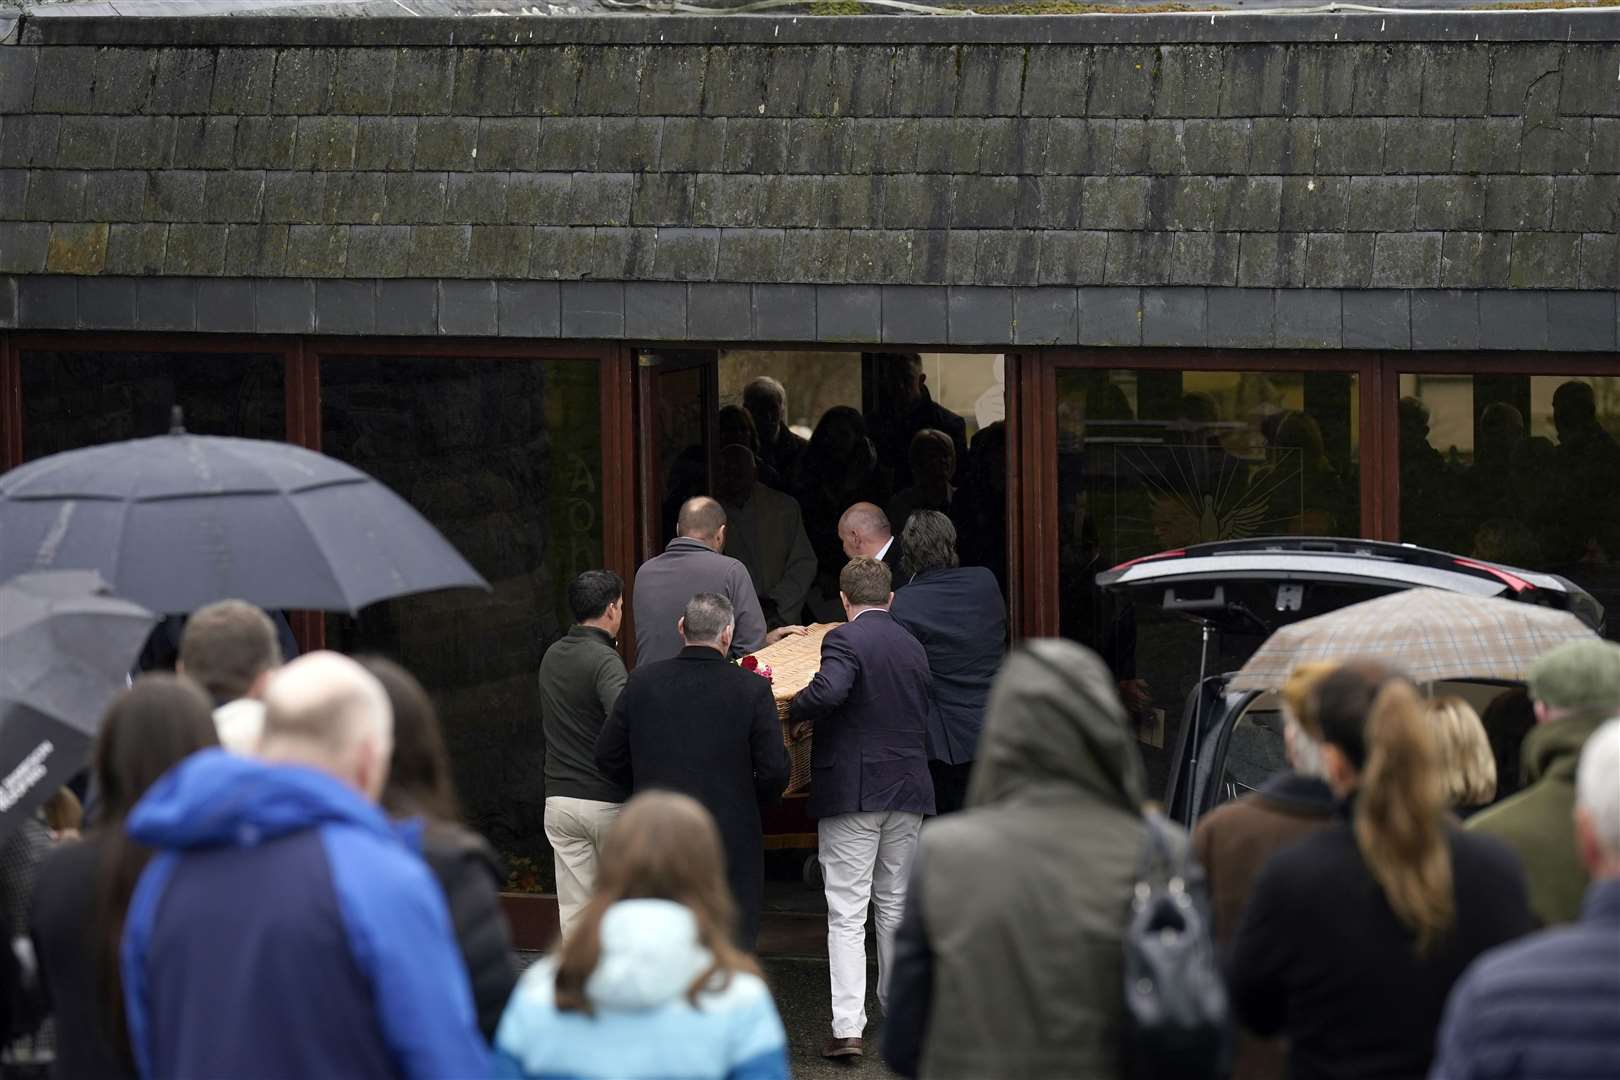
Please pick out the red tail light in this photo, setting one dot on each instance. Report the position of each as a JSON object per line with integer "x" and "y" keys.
{"x": 1149, "y": 558}
{"x": 1512, "y": 581}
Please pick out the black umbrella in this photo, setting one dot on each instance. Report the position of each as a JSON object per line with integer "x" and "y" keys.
{"x": 66, "y": 648}
{"x": 179, "y": 521}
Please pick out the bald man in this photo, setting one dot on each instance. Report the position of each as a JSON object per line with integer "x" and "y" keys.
{"x": 284, "y": 928}
{"x": 694, "y": 563}
{"x": 867, "y": 534}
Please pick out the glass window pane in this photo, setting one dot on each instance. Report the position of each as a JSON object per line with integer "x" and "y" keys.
{"x": 1155, "y": 459}
{"x": 73, "y": 399}
{"x": 504, "y": 458}
{"x": 1516, "y": 469}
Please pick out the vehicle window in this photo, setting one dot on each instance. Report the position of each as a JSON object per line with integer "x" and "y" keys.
{"x": 1255, "y": 753}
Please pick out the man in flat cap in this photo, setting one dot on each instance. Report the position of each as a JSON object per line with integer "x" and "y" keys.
{"x": 1575, "y": 687}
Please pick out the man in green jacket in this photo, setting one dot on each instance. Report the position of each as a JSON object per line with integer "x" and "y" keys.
{"x": 1575, "y": 688}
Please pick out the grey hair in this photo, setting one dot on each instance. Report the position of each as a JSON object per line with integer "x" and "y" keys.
{"x": 1596, "y": 791}
{"x": 928, "y": 542}
{"x": 765, "y": 385}
{"x": 707, "y": 617}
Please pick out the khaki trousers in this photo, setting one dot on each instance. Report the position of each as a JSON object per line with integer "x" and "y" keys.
{"x": 575, "y": 828}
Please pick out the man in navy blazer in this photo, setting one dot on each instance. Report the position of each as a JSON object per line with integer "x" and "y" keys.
{"x": 870, "y": 788}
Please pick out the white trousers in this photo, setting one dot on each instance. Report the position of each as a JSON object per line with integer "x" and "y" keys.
{"x": 575, "y": 828}
{"x": 865, "y": 858}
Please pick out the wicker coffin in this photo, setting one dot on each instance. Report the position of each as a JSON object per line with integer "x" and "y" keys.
{"x": 794, "y": 661}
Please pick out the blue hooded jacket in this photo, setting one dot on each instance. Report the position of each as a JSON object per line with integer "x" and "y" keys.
{"x": 285, "y": 928}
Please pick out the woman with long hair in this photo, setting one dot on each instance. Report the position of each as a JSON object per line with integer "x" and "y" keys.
{"x": 84, "y": 886}
{"x": 419, "y": 786}
{"x": 1353, "y": 937}
{"x": 649, "y": 984}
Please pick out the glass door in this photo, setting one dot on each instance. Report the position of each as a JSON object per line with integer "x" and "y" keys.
{"x": 679, "y": 409}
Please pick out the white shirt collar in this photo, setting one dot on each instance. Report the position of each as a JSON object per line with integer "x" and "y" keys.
{"x": 866, "y": 611}
{"x": 884, "y": 550}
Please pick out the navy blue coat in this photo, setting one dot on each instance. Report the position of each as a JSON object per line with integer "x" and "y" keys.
{"x": 1545, "y": 1006}
{"x": 869, "y": 705}
{"x": 960, "y": 619}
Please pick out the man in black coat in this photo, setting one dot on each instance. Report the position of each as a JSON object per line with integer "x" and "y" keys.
{"x": 867, "y": 533}
{"x": 704, "y": 727}
{"x": 869, "y": 789}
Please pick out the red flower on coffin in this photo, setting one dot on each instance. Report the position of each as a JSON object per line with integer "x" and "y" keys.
{"x": 749, "y": 663}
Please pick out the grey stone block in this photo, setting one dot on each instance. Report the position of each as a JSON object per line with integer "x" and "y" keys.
{"x": 671, "y": 81}
{"x": 528, "y": 308}
{"x": 18, "y": 66}
{"x": 29, "y": 140}
{"x": 108, "y": 303}
{"x": 54, "y": 195}
{"x": 1349, "y": 146}
{"x": 930, "y": 256}
{"x": 1377, "y": 319}
{"x": 785, "y": 313}
{"x": 665, "y": 199}
{"x": 239, "y": 196}
{"x": 1115, "y": 202}
{"x": 468, "y": 309}
{"x": 195, "y": 250}
{"x": 316, "y": 251}
{"x": 1513, "y": 319}
{"x": 325, "y": 142}
{"x": 1315, "y": 204}
{"x": 915, "y": 315}
{"x": 1581, "y": 321}
{"x": 690, "y": 144}
{"x": 345, "y": 307}
{"x": 1186, "y": 74}
{"x": 124, "y": 80}
{"x": 1007, "y": 258}
{"x": 303, "y": 84}
{"x": 1055, "y": 79}
{"x": 385, "y": 143}
{"x": 1600, "y": 261}
{"x": 77, "y": 249}
{"x": 47, "y": 303}
{"x": 750, "y": 255}
{"x": 1204, "y": 258}
{"x": 819, "y": 145}
{"x": 1309, "y": 319}
{"x": 439, "y": 250}
{"x": 656, "y": 310}
{"x": 1174, "y": 317}
{"x": 926, "y": 79}
{"x": 63, "y": 80}
{"x": 174, "y": 196}
{"x": 486, "y": 82}
{"x": 1051, "y": 202}
{"x": 1110, "y": 316}
{"x": 88, "y": 142}
{"x": 592, "y": 309}
{"x": 798, "y": 81}
{"x": 1526, "y": 78}
{"x": 166, "y": 304}
{"x": 1449, "y": 202}
{"x": 262, "y": 142}
{"x": 1475, "y": 260}
{"x": 1381, "y": 203}
{"x": 548, "y": 80}
{"x": 991, "y": 82}
{"x": 962, "y": 256}
{"x": 115, "y": 196}
{"x": 880, "y": 255}
{"x": 477, "y": 199}
{"x": 202, "y": 142}
{"x": 498, "y": 251}
{"x": 1218, "y": 147}
{"x": 1339, "y": 260}
{"x": 225, "y": 307}
{"x": 243, "y": 80}
{"x": 755, "y": 145}
{"x": 687, "y": 254}
{"x": 1259, "y": 80}
{"x": 1073, "y": 258}
{"x": 256, "y": 250}
{"x": 183, "y": 83}
{"x": 1138, "y": 258}
{"x": 984, "y": 202}
{"x": 413, "y": 198}
{"x": 1555, "y": 146}
{"x": 601, "y": 198}
{"x": 1272, "y": 259}
{"x": 363, "y": 83}
{"x": 735, "y": 82}
{"x": 1046, "y": 316}
{"x": 538, "y": 198}
{"x": 1122, "y": 81}
{"x": 1407, "y": 260}
{"x": 916, "y": 202}
{"x": 509, "y": 143}
{"x": 135, "y": 249}
{"x": 349, "y": 197}
{"x": 860, "y": 79}
{"x": 1589, "y": 80}
{"x": 8, "y": 303}
{"x": 424, "y": 80}
{"x": 407, "y": 308}
{"x": 1488, "y": 145}
{"x": 1586, "y": 203}
{"x": 1443, "y": 319}
{"x": 719, "y": 312}
{"x": 1415, "y": 146}
{"x": 727, "y": 199}
{"x": 1546, "y": 261}
{"x": 1282, "y": 147}
{"x": 1389, "y": 81}
{"x": 629, "y": 143}
{"x": 1240, "y": 318}
{"x": 1604, "y": 155}
{"x": 1518, "y": 203}
{"x": 612, "y": 83}
{"x": 1456, "y": 80}
{"x": 446, "y": 142}
{"x": 562, "y": 253}
{"x": 849, "y": 313}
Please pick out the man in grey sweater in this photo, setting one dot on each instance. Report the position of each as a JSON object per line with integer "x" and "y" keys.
{"x": 693, "y": 563}
{"x": 580, "y": 679}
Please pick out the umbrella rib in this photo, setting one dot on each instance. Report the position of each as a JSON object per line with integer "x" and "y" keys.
{"x": 337, "y": 579}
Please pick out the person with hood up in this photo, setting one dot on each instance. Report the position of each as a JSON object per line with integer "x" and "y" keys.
{"x": 649, "y": 985}
{"x": 283, "y": 927}
{"x": 1574, "y": 688}
{"x": 1020, "y": 975}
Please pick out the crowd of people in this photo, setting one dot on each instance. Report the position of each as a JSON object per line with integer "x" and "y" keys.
{"x": 273, "y": 878}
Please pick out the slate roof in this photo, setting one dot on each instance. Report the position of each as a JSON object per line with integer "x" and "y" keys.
{"x": 1421, "y": 152}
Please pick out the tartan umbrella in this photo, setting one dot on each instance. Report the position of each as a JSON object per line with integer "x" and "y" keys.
{"x": 66, "y": 648}
{"x": 1427, "y": 634}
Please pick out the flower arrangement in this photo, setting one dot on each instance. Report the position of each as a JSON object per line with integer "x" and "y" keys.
{"x": 751, "y": 663}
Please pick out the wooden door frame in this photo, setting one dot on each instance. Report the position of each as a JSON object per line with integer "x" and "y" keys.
{"x": 651, "y": 362}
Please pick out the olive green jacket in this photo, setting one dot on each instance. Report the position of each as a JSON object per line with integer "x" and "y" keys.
{"x": 1025, "y": 895}
{"x": 1538, "y": 822}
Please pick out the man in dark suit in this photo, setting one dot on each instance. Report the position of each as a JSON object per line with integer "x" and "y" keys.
{"x": 704, "y": 727}
{"x": 869, "y": 790}
{"x": 867, "y": 534}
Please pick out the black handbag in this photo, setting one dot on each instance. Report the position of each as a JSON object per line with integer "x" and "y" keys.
{"x": 1176, "y": 1011}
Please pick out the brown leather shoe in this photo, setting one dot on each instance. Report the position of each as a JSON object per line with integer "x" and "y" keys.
{"x": 840, "y": 1048}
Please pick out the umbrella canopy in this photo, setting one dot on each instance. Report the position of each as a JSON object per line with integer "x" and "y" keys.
{"x": 1428, "y": 634}
{"x": 66, "y": 648}
{"x": 179, "y": 521}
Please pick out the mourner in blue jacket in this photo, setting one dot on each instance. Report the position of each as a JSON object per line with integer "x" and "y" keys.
{"x": 284, "y": 928}
{"x": 869, "y": 789}
{"x": 957, "y": 613}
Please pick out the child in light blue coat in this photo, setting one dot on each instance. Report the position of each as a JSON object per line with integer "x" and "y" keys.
{"x": 649, "y": 985}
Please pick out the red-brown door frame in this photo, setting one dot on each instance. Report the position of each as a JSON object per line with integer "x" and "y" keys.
{"x": 10, "y": 405}
{"x": 1037, "y": 438}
